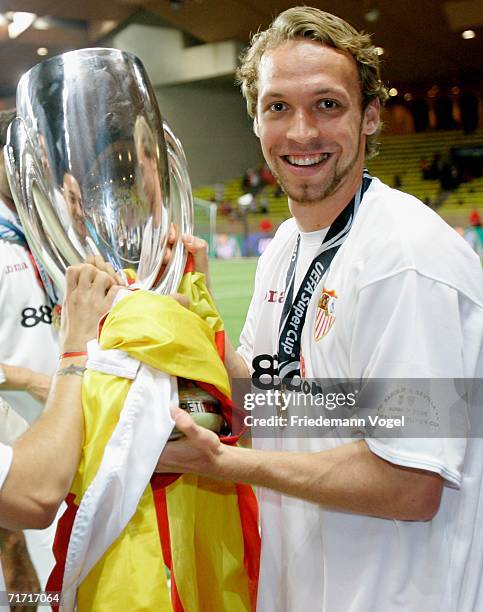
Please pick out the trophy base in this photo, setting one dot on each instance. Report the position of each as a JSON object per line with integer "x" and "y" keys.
{"x": 203, "y": 408}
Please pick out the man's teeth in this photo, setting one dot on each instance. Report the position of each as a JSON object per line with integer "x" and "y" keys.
{"x": 306, "y": 160}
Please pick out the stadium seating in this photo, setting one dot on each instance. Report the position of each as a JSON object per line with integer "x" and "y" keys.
{"x": 400, "y": 155}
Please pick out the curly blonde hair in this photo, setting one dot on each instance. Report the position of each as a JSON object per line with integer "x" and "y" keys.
{"x": 314, "y": 24}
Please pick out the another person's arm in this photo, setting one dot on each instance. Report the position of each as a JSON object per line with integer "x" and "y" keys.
{"x": 349, "y": 477}
{"x": 24, "y": 379}
{"x": 19, "y": 573}
{"x": 45, "y": 458}
{"x": 234, "y": 363}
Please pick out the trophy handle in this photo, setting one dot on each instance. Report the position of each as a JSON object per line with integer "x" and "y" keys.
{"x": 181, "y": 205}
{"x": 33, "y": 205}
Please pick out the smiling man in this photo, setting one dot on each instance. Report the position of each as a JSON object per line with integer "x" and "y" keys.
{"x": 312, "y": 126}
{"x": 369, "y": 284}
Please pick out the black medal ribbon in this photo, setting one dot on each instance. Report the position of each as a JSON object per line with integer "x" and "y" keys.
{"x": 295, "y": 310}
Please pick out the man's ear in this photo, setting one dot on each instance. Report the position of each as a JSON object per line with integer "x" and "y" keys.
{"x": 371, "y": 117}
{"x": 255, "y": 127}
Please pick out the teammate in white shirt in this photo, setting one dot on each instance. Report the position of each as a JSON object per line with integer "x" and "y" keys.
{"x": 382, "y": 524}
{"x": 28, "y": 353}
{"x": 28, "y": 342}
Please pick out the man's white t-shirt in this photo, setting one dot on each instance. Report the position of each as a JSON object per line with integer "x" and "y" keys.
{"x": 27, "y": 337}
{"x": 28, "y": 340}
{"x": 406, "y": 301}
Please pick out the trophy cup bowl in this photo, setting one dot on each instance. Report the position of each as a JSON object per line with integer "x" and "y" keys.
{"x": 94, "y": 170}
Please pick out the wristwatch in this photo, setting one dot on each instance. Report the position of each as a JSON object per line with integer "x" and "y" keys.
{"x": 3, "y": 378}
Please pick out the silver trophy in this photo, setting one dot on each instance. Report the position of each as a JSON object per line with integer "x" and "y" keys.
{"x": 94, "y": 169}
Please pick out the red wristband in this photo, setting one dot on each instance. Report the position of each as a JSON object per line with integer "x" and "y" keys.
{"x": 73, "y": 354}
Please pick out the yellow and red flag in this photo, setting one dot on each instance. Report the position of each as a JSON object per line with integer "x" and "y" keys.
{"x": 122, "y": 527}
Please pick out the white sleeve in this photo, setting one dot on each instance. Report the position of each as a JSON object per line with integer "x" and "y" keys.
{"x": 409, "y": 326}
{"x": 6, "y": 454}
{"x": 245, "y": 349}
{"x": 443, "y": 456}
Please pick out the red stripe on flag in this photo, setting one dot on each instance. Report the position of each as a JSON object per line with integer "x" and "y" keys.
{"x": 61, "y": 544}
{"x": 248, "y": 507}
{"x": 158, "y": 488}
{"x": 220, "y": 344}
{"x": 190, "y": 264}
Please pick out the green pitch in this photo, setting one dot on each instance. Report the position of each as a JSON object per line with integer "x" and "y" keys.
{"x": 232, "y": 283}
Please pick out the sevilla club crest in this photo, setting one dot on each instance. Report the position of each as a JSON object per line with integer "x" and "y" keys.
{"x": 325, "y": 315}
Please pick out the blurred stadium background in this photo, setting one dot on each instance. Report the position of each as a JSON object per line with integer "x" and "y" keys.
{"x": 232, "y": 284}
{"x": 432, "y": 145}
